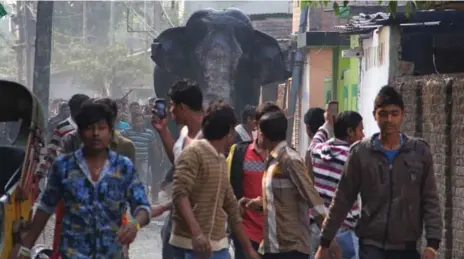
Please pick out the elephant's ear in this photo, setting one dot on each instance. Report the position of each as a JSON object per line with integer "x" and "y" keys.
{"x": 169, "y": 51}
{"x": 268, "y": 59}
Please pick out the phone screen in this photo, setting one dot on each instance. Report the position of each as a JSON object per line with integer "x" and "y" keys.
{"x": 160, "y": 107}
{"x": 333, "y": 108}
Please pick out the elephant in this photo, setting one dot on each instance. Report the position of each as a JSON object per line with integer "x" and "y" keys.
{"x": 220, "y": 51}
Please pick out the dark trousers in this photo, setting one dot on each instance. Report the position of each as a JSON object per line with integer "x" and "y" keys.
{"x": 286, "y": 255}
{"x": 372, "y": 252}
{"x": 167, "y": 250}
{"x": 238, "y": 249}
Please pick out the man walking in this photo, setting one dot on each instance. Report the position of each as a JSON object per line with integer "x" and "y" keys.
{"x": 248, "y": 126}
{"x": 186, "y": 108}
{"x": 288, "y": 194}
{"x": 63, "y": 114}
{"x": 95, "y": 185}
{"x": 118, "y": 144}
{"x": 328, "y": 156}
{"x": 395, "y": 177}
{"x": 202, "y": 195}
{"x": 313, "y": 119}
{"x": 246, "y": 169}
{"x": 63, "y": 128}
{"x": 144, "y": 141}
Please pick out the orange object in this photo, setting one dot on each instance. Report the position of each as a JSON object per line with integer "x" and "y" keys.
{"x": 125, "y": 219}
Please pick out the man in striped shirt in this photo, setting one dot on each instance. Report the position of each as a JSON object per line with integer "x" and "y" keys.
{"x": 288, "y": 194}
{"x": 63, "y": 113}
{"x": 144, "y": 140}
{"x": 50, "y": 152}
{"x": 328, "y": 156}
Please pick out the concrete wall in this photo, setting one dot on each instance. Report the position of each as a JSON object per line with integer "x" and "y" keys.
{"x": 435, "y": 112}
{"x": 320, "y": 63}
{"x": 296, "y": 12}
{"x": 317, "y": 67}
{"x": 376, "y": 67}
{"x": 350, "y": 82}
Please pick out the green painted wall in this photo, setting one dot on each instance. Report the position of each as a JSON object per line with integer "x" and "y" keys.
{"x": 348, "y": 86}
{"x": 347, "y": 79}
{"x": 343, "y": 67}
{"x": 328, "y": 89}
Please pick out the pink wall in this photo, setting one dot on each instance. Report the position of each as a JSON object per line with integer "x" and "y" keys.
{"x": 320, "y": 65}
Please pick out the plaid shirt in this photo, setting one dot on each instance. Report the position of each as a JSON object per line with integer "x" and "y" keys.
{"x": 93, "y": 210}
{"x": 288, "y": 194}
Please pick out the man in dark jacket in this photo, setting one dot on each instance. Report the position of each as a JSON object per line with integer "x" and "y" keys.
{"x": 394, "y": 174}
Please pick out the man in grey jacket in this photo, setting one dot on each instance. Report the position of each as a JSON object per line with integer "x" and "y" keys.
{"x": 395, "y": 177}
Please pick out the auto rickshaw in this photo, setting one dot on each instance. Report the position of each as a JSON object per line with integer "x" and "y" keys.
{"x": 19, "y": 186}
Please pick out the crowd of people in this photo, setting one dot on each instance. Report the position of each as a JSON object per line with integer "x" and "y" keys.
{"x": 351, "y": 196}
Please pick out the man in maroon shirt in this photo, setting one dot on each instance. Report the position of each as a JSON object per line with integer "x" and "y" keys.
{"x": 246, "y": 168}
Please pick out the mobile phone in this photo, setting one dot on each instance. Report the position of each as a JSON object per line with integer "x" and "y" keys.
{"x": 332, "y": 108}
{"x": 160, "y": 107}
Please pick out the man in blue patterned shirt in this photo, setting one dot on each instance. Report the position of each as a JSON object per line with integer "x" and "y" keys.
{"x": 95, "y": 185}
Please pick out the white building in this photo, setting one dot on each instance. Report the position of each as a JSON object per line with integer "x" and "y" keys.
{"x": 378, "y": 68}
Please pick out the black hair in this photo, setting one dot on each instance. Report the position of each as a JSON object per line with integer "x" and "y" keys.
{"x": 314, "y": 118}
{"x": 249, "y": 112}
{"x": 266, "y": 107}
{"x": 135, "y": 115}
{"x": 63, "y": 105}
{"x": 93, "y": 111}
{"x": 344, "y": 121}
{"x": 388, "y": 96}
{"x": 76, "y": 102}
{"x": 183, "y": 92}
{"x": 111, "y": 104}
{"x": 134, "y": 104}
{"x": 219, "y": 120}
{"x": 273, "y": 125}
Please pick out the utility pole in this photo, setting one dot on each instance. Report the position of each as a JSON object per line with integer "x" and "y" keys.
{"x": 29, "y": 39}
{"x": 111, "y": 36}
{"x": 21, "y": 41}
{"x": 84, "y": 22}
{"x": 42, "y": 58}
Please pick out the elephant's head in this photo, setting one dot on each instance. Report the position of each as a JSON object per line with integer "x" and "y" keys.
{"x": 222, "y": 52}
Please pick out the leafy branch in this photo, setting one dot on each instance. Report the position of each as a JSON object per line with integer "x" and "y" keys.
{"x": 391, "y": 6}
{"x": 104, "y": 69}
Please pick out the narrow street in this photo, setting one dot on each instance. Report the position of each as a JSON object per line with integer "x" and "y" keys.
{"x": 148, "y": 242}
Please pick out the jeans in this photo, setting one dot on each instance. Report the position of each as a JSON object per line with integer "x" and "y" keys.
{"x": 143, "y": 171}
{"x": 346, "y": 239}
{"x": 238, "y": 249}
{"x": 372, "y": 252}
{"x": 286, "y": 255}
{"x": 181, "y": 253}
{"x": 167, "y": 250}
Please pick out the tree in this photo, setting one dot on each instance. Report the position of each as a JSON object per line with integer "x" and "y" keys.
{"x": 106, "y": 69}
{"x": 95, "y": 61}
{"x": 391, "y": 6}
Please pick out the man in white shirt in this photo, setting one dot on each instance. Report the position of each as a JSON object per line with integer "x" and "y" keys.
{"x": 186, "y": 108}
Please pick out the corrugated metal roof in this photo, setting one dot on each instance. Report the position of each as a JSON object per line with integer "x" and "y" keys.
{"x": 365, "y": 22}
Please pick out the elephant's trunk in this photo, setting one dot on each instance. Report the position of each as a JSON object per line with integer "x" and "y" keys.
{"x": 220, "y": 57}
